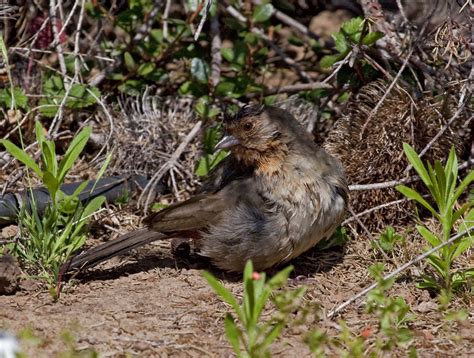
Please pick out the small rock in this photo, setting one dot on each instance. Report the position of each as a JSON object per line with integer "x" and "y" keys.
{"x": 9, "y": 232}
{"x": 30, "y": 285}
{"x": 9, "y": 274}
{"x": 426, "y": 306}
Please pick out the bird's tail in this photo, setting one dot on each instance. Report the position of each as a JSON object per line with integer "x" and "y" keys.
{"x": 112, "y": 248}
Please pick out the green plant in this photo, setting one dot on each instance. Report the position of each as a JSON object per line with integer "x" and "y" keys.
{"x": 393, "y": 313}
{"x": 338, "y": 239}
{"x": 388, "y": 240}
{"x": 356, "y": 31}
{"x": 78, "y": 96}
{"x": 392, "y": 330}
{"x": 249, "y": 336}
{"x": 210, "y": 158}
{"x": 66, "y": 338}
{"x": 48, "y": 240}
{"x": 441, "y": 184}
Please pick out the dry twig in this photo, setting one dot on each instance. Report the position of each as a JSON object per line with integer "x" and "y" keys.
{"x": 394, "y": 273}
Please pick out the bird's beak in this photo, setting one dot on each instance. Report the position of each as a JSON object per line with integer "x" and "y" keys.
{"x": 227, "y": 142}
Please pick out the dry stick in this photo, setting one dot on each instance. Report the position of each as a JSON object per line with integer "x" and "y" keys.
{"x": 290, "y": 62}
{"x": 384, "y": 185}
{"x": 102, "y": 58}
{"x": 166, "y": 13}
{"x": 111, "y": 121}
{"x": 370, "y": 236}
{"x": 296, "y": 88}
{"x": 203, "y": 19}
{"x": 216, "y": 56}
{"x": 56, "y": 123}
{"x": 379, "y": 103}
{"x": 168, "y": 165}
{"x": 338, "y": 68}
{"x": 287, "y": 20}
{"x": 362, "y": 293}
{"x": 54, "y": 26}
{"x": 402, "y": 11}
{"x": 145, "y": 28}
{"x": 71, "y": 13}
{"x": 392, "y": 183}
{"x": 77, "y": 65}
{"x": 375, "y": 208}
{"x": 372, "y": 9}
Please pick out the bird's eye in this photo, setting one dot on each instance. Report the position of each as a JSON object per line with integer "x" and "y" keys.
{"x": 248, "y": 126}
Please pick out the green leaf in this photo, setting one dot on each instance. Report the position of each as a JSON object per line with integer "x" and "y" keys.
{"x": 51, "y": 183}
{"x": 209, "y": 162}
{"x": 338, "y": 239}
{"x": 48, "y": 109}
{"x": 262, "y": 12}
{"x": 329, "y": 60}
{"x": 129, "y": 61}
{"x": 428, "y": 282}
{"x": 223, "y": 292}
{"x": 340, "y": 42}
{"x": 280, "y": 278}
{"x": 372, "y": 37}
{"x": 415, "y": 160}
{"x": 439, "y": 265}
{"x": 232, "y": 333}
{"x": 272, "y": 334}
{"x": 460, "y": 189}
{"x": 22, "y": 156}
{"x": 146, "y": 68}
{"x": 104, "y": 166}
{"x": 80, "y": 188}
{"x": 414, "y": 195}
{"x": 17, "y": 100}
{"x": 80, "y": 97}
{"x": 353, "y": 28}
{"x": 228, "y": 54}
{"x": 225, "y": 88}
{"x": 48, "y": 152}
{"x": 73, "y": 152}
{"x": 93, "y": 206}
{"x": 429, "y": 236}
{"x": 199, "y": 70}
{"x": 464, "y": 244}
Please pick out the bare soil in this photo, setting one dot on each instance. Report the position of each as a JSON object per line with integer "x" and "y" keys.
{"x": 151, "y": 304}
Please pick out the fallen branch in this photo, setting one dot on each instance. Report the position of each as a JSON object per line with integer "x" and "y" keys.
{"x": 384, "y": 185}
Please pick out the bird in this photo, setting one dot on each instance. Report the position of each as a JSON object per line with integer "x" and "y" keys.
{"x": 275, "y": 196}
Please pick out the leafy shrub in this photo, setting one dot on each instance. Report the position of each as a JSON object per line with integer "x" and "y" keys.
{"x": 441, "y": 184}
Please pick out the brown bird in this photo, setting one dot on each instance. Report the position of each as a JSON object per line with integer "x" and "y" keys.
{"x": 274, "y": 197}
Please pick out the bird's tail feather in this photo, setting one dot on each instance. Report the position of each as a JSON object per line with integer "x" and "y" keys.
{"x": 112, "y": 248}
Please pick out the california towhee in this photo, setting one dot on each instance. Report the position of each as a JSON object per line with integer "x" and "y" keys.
{"x": 274, "y": 197}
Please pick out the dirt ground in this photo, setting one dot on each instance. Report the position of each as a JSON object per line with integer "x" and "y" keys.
{"x": 151, "y": 304}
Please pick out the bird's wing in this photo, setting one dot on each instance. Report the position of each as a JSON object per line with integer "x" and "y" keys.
{"x": 193, "y": 214}
{"x": 220, "y": 192}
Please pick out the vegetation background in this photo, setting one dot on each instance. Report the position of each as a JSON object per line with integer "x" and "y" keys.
{"x": 132, "y": 92}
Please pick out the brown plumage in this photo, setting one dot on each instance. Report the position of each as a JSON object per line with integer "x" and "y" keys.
{"x": 274, "y": 197}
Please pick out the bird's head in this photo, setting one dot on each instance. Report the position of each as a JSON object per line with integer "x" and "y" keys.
{"x": 258, "y": 135}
